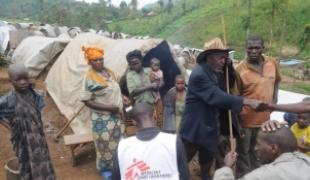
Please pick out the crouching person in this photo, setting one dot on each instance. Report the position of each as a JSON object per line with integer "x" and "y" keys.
{"x": 150, "y": 154}
{"x": 276, "y": 148}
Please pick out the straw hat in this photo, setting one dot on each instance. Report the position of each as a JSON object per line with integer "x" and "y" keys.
{"x": 214, "y": 46}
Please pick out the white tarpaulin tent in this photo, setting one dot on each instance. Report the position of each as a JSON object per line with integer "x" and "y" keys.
{"x": 5, "y": 36}
{"x": 286, "y": 97}
{"x": 64, "y": 80}
{"x": 36, "y": 52}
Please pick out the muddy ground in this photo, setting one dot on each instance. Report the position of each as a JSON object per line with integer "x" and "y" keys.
{"x": 60, "y": 154}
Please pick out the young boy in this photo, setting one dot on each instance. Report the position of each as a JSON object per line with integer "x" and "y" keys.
{"x": 174, "y": 103}
{"x": 20, "y": 111}
{"x": 301, "y": 131}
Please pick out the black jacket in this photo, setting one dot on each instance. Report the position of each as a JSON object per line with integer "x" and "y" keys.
{"x": 200, "y": 122}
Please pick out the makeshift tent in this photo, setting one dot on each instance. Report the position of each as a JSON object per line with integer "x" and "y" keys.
{"x": 64, "y": 80}
{"x": 37, "y": 52}
{"x": 5, "y": 36}
{"x": 285, "y": 97}
{"x": 48, "y": 30}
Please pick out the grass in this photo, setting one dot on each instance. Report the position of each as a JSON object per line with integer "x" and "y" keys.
{"x": 203, "y": 23}
{"x": 300, "y": 87}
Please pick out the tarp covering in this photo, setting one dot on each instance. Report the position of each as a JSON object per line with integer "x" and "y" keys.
{"x": 5, "y": 36}
{"x": 64, "y": 80}
{"x": 37, "y": 52}
{"x": 17, "y": 36}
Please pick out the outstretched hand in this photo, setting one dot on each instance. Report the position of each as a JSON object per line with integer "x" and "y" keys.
{"x": 230, "y": 159}
{"x": 253, "y": 103}
{"x": 270, "y": 126}
{"x": 265, "y": 107}
{"x": 258, "y": 105}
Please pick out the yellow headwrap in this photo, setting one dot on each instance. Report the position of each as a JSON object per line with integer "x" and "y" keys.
{"x": 92, "y": 53}
{"x": 95, "y": 76}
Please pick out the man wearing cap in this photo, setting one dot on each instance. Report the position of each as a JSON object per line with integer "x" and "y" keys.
{"x": 258, "y": 78}
{"x": 200, "y": 122}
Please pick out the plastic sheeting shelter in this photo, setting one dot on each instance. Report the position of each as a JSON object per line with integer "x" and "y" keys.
{"x": 5, "y": 36}
{"x": 37, "y": 52}
{"x": 64, "y": 80}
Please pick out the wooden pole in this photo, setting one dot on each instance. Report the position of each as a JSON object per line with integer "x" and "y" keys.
{"x": 231, "y": 135}
{"x": 224, "y": 30}
{"x": 58, "y": 134}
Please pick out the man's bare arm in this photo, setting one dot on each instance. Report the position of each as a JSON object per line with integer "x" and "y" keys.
{"x": 302, "y": 107}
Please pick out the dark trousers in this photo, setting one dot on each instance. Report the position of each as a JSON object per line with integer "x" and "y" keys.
{"x": 205, "y": 157}
{"x": 247, "y": 160}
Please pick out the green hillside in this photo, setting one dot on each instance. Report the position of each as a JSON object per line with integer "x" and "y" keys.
{"x": 201, "y": 22}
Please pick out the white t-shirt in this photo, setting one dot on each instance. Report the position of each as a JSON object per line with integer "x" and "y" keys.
{"x": 149, "y": 160}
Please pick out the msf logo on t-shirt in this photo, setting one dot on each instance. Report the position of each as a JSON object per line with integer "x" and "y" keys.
{"x": 136, "y": 169}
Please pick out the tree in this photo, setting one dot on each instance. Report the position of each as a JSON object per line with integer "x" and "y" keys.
{"x": 161, "y": 4}
{"x": 169, "y": 6}
{"x": 134, "y": 4}
{"x": 248, "y": 21}
{"x": 109, "y": 3}
{"x": 276, "y": 6}
{"x": 184, "y": 6}
{"x": 123, "y": 5}
{"x": 305, "y": 38}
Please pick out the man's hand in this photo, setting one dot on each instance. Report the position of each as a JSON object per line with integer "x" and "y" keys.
{"x": 265, "y": 107}
{"x": 270, "y": 126}
{"x": 230, "y": 159}
{"x": 254, "y": 104}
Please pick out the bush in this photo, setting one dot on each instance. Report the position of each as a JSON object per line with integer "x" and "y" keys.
{"x": 3, "y": 60}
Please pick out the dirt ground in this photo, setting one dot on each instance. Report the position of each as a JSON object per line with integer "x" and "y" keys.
{"x": 60, "y": 154}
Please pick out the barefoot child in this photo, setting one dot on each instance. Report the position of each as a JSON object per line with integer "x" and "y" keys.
{"x": 174, "y": 103}
{"x": 156, "y": 76}
{"x": 20, "y": 111}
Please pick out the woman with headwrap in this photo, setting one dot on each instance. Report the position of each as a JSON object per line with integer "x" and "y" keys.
{"x": 102, "y": 94}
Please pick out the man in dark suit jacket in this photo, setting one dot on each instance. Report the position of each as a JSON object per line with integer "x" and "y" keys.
{"x": 200, "y": 122}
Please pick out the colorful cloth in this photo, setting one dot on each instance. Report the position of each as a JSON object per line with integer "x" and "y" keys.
{"x": 257, "y": 85}
{"x": 93, "y": 75}
{"x": 21, "y": 111}
{"x": 92, "y": 53}
{"x": 136, "y": 80}
{"x": 107, "y": 133}
{"x": 174, "y": 105}
{"x": 302, "y": 135}
{"x": 106, "y": 126}
{"x": 158, "y": 113}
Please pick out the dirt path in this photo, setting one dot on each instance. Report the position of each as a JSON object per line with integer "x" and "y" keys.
{"x": 60, "y": 154}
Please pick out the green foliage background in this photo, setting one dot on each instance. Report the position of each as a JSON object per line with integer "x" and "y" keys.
{"x": 185, "y": 22}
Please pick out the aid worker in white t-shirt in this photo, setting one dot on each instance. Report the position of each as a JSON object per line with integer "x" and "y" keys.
{"x": 150, "y": 154}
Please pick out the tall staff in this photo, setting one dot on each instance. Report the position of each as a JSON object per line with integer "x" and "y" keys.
{"x": 231, "y": 135}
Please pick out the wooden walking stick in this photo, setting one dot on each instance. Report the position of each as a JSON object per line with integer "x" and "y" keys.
{"x": 58, "y": 134}
{"x": 231, "y": 135}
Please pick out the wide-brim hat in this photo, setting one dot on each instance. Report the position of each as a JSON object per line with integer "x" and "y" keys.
{"x": 211, "y": 47}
